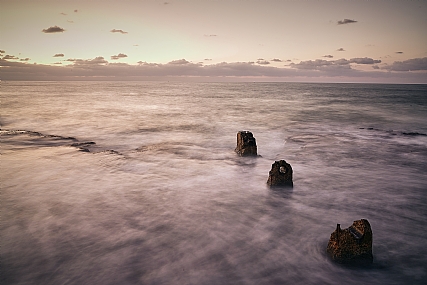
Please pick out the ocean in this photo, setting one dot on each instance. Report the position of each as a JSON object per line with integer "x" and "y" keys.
{"x": 138, "y": 182}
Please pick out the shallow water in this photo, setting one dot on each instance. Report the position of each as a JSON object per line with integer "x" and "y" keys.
{"x": 161, "y": 197}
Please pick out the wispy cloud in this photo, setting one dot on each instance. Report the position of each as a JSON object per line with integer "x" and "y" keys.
{"x": 59, "y": 55}
{"x": 399, "y": 52}
{"x": 75, "y": 11}
{"x": 118, "y": 31}
{"x": 212, "y": 35}
{"x": 340, "y": 49}
{"x": 25, "y": 59}
{"x": 276, "y": 60}
{"x": 63, "y": 14}
{"x": 263, "y": 62}
{"x": 54, "y": 29}
{"x": 2, "y": 51}
{"x": 179, "y": 62}
{"x": 346, "y": 21}
{"x": 328, "y": 56}
{"x": 85, "y": 62}
{"x": 120, "y": 55}
{"x": 313, "y": 64}
{"x": 8, "y": 57}
{"x": 364, "y": 60}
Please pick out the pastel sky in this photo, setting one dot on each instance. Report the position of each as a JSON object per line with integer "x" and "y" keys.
{"x": 215, "y": 40}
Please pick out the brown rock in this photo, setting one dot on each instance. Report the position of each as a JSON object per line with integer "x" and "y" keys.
{"x": 352, "y": 245}
{"x": 280, "y": 174}
{"x": 246, "y": 144}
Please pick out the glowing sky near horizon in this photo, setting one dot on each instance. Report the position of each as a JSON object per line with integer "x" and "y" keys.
{"x": 273, "y": 33}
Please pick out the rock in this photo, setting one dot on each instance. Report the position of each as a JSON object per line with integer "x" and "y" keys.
{"x": 280, "y": 174}
{"x": 83, "y": 146}
{"x": 246, "y": 144}
{"x": 352, "y": 245}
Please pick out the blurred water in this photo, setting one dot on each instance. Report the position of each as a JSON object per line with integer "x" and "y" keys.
{"x": 162, "y": 198}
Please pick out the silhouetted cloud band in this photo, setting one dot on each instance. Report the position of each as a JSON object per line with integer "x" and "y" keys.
{"x": 54, "y": 29}
{"x": 346, "y": 21}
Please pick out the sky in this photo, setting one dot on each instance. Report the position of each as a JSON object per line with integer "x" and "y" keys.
{"x": 378, "y": 41}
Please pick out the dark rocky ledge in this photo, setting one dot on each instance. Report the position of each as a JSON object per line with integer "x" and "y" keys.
{"x": 31, "y": 133}
{"x": 27, "y": 138}
{"x": 83, "y": 146}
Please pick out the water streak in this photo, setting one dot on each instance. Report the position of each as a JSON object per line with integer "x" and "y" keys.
{"x": 160, "y": 197}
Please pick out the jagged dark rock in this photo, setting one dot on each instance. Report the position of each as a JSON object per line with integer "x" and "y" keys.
{"x": 246, "y": 144}
{"x": 31, "y": 133}
{"x": 82, "y": 144}
{"x": 413, "y": 134}
{"x": 352, "y": 245}
{"x": 280, "y": 174}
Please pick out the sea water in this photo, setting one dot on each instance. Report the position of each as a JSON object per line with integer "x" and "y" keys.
{"x": 138, "y": 182}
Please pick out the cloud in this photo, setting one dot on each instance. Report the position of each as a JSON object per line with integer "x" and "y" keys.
{"x": 63, "y": 14}
{"x": 120, "y": 55}
{"x": 70, "y": 21}
{"x": 364, "y": 60}
{"x": 263, "y": 62}
{"x": 340, "y": 49}
{"x": 375, "y": 67}
{"x": 276, "y": 60}
{"x": 75, "y": 11}
{"x": 179, "y": 61}
{"x": 7, "y": 56}
{"x": 59, "y": 55}
{"x": 181, "y": 69}
{"x": 2, "y": 51}
{"x": 346, "y": 21}
{"x": 414, "y": 64}
{"x": 57, "y": 62}
{"x": 84, "y": 62}
{"x": 321, "y": 64}
{"x": 341, "y": 61}
{"x": 54, "y": 29}
{"x": 399, "y": 52}
{"x": 25, "y": 59}
{"x": 118, "y": 31}
{"x": 210, "y": 35}
{"x": 328, "y": 56}
{"x": 312, "y": 64}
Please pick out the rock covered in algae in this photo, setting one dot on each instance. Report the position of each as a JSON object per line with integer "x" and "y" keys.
{"x": 246, "y": 144}
{"x": 352, "y": 245}
{"x": 280, "y": 174}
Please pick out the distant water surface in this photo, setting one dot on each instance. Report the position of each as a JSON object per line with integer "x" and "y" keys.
{"x": 138, "y": 182}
